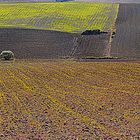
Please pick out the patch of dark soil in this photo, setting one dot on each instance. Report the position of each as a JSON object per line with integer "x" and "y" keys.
{"x": 126, "y": 42}
{"x": 92, "y": 45}
{"x": 44, "y": 44}
{"x": 30, "y": 43}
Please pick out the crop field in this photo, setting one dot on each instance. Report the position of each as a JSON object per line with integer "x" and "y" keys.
{"x": 94, "y": 46}
{"x": 67, "y": 100}
{"x": 33, "y": 43}
{"x": 112, "y": 1}
{"x": 126, "y": 42}
{"x": 105, "y": 1}
{"x": 67, "y": 17}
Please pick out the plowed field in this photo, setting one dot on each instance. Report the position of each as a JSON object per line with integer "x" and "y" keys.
{"x": 67, "y": 100}
{"x": 126, "y": 43}
{"x": 30, "y": 44}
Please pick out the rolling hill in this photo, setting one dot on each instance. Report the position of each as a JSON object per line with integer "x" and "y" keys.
{"x": 112, "y": 1}
{"x": 126, "y": 42}
{"x": 68, "y": 100}
{"x": 59, "y": 99}
{"x": 53, "y": 30}
{"x": 67, "y": 17}
{"x": 104, "y": 1}
{"x": 33, "y": 43}
{"x": 30, "y": 30}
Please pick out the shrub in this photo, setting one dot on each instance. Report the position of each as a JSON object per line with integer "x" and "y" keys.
{"x": 7, "y": 55}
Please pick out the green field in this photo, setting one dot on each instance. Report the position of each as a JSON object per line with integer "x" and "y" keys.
{"x": 67, "y": 17}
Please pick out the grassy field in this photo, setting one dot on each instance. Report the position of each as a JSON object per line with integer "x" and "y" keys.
{"x": 53, "y": 100}
{"x": 67, "y": 17}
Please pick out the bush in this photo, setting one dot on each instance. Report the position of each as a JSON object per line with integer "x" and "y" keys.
{"x": 7, "y": 55}
{"x": 93, "y": 32}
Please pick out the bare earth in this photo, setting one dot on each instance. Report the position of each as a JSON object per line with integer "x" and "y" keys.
{"x": 126, "y": 43}
{"x": 68, "y": 100}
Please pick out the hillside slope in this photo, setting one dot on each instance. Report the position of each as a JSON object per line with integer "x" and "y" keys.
{"x": 112, "y": 1}
{"x": 29, "y": 44}
{"x": 68, "y": 16}
{"x": 69, "y": 100}
{"x": 126, "y": 42}
{"x": 42, "y": 44}
{"x": 106, "y": 1}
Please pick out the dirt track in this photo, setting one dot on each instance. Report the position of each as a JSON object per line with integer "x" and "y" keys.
{"x": 126, "y": 42}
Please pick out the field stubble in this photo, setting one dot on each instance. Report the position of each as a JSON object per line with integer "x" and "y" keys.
{"x": 68, "y": 100}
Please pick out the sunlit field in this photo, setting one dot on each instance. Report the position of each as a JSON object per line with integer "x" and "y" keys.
{"x": 68, "y": 16}
{"x": 68, "y": 100}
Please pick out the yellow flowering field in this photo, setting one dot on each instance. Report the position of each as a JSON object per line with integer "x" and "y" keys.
{"x": 67, "y": 17}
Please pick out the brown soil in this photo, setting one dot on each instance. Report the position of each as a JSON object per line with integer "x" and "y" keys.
{"x": 30, "y": 43}
{"x": 41, "y": 44}
{"x": 67, "y": 100}
{"x": 126, "y": 42}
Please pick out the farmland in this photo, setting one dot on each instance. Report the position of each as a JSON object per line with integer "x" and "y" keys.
{"x": 68, "y": 100}
{"x": 33, "y": 43}
{"x": 49, "y": 30}
{"x": 126, "y": 43}
{"x": 67, "y": 17}
{"x": 112, "y": 1}
{"x": 29, "y": 44}
{"x": 45, "y": 97}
